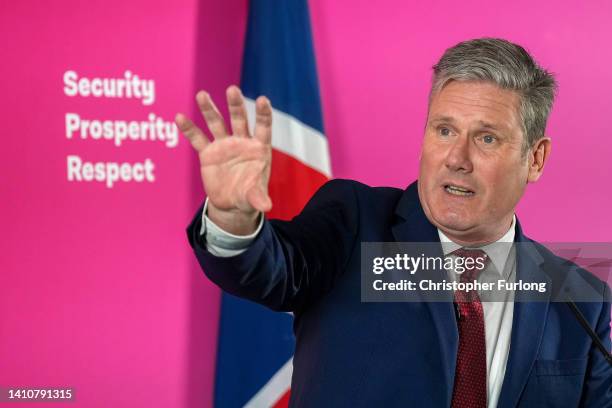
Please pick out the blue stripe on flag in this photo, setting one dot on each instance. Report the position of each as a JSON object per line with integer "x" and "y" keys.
{"x": 279, "y": 59}
{"x": 254, "y": 343}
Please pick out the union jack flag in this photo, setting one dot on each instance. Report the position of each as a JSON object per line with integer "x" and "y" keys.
{"x": 256, "y": 345}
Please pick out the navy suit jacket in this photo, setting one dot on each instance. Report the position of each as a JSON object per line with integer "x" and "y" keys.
{"x": 355, "y": 354}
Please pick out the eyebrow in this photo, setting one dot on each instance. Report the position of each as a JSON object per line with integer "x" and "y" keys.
{"x": 450, "y": 119}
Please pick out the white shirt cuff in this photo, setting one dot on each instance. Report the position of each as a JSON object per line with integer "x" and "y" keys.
{"x": 222, "y": 243}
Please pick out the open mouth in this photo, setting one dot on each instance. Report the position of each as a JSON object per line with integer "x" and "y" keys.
{"x": 458, "y": 191}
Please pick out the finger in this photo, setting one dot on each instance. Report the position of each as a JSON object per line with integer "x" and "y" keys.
{"x": 259, "y": 199}
{"x": 238, "y": 113}
{"x": 211, "y": 114}
{"x": 197, "y": 139}
{"x": 263, "y": 120}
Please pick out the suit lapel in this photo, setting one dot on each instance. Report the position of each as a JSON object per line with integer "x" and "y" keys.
{"x": 527, "y": 323}
{"x": 529, "y": 317}
{"x": 412, "y": 226}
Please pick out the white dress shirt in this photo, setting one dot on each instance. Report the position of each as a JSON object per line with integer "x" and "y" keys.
{"x": 497, "y": 314}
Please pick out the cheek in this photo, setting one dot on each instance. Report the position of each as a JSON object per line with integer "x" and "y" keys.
{"x": 431, "y": 159}
{"x": 508, "y": 184}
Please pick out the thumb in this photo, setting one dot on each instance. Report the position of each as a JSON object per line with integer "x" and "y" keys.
{"x": 259, "y": 199}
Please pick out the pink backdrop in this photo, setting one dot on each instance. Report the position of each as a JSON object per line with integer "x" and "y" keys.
{"x": 375, "y": 64}
{"x": 98, "y": 289}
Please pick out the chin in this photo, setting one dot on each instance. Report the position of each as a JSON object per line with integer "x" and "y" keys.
{"x": 448, "y": 220}
{"x": 454, "y": 226}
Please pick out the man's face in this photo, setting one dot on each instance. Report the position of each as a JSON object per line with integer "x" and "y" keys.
{"x": 472, "y": 172}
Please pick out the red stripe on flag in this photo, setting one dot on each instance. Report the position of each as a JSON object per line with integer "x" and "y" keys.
{"x": 283, "y": 402}
{"x": 292, "y": 183}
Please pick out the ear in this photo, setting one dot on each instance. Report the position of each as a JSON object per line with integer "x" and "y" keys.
{"x": 538, "y": 154}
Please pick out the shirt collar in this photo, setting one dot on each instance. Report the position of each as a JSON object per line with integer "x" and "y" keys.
{"x": 497, "y": 253}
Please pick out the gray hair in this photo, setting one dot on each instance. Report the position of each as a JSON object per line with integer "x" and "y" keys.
{"x": 508, "y": 66}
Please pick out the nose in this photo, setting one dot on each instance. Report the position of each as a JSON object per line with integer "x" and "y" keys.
{"x": 458, "y": 157}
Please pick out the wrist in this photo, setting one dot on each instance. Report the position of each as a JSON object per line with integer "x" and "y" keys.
{"x": 234, "y": 221}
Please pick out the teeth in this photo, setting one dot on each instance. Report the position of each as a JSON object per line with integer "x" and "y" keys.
{"x": 458, "y": 191}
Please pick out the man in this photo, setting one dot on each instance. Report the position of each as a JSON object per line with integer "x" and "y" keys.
{"x": 484, "y": 142}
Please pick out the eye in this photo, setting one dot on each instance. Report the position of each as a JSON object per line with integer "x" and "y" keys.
{"x": 444, "y": 131}
{"x": 489, "y": 139}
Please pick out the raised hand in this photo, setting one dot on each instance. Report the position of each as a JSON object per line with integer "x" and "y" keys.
{"x": 235, "y": 169}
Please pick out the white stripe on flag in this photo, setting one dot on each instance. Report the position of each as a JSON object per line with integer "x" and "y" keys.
{"x": 278, "y": 385}
{"x": 296, "y": 139}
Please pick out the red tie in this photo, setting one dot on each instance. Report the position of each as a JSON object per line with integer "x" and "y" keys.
{"x": 470, "y": 390}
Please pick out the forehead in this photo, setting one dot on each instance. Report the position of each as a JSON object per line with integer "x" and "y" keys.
{"x": 472, "y": 102}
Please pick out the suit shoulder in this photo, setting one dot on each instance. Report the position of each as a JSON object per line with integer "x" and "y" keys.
{"x": 362, "y": 188}
{"x": 576, "y": 278}
{"x": 345, "y": 189}
{"x": 349, "y": 200}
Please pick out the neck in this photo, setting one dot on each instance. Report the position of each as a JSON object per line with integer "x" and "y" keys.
{"x": 475, "y": 239}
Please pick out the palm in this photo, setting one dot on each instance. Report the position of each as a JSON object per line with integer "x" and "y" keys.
{"x": 233, "y": 167}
